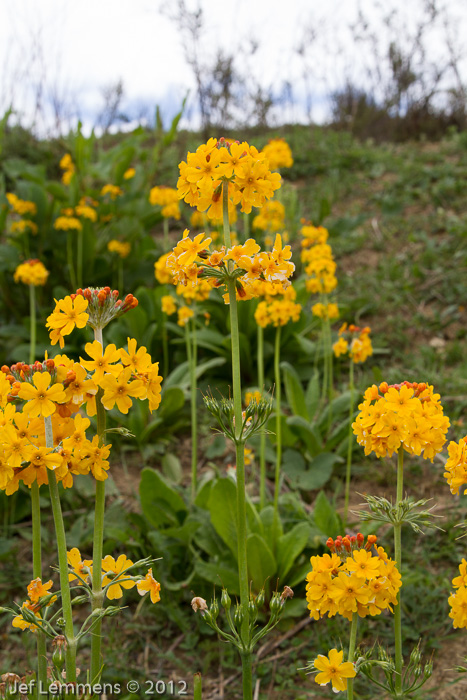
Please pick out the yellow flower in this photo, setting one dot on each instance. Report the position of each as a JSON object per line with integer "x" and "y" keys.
{"x": 67, "y": 223}
{"x": 184, "y": 315}
{"x": 102, "y": 361}
{"x": 67, "y": 314}
{"x": 128, "y": 174}
{"x": 149, "y": 584}
{"x": 117, "y": 390}
{"x": 21, "y": 206}
{"x": 121, "y": 248}
{"x": 115, "y": 572}
{"x": 80, "y": 567}
{"x": 139, "y": 360}
{"x": 40, "y": 396}
{"x": 112, "y": 190}
{"x": 333, "y": 669}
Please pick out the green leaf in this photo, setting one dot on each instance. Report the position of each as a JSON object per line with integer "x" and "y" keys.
{"x": 172, "y": 467}
{"x": 222, "y": 505}
{"x": 261, "y": 563}
{"x": 294, "y": 390}
{"x": 160, "y": 503}
{"x": 219, "y": 575}
{"x": 325, "y": 516}
{"x": 289, "y": 547}
{"x": 172, "y": 401}
{"x": 308, "y": 433}
{"x": 312, "y": 395}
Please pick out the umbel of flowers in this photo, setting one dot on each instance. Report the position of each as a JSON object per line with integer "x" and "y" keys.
{"x": 456, "y": 476}
{"x": 403, "y": 418}
{"x": 357, "y": 579}
{"x": 44, "y": 438}
{"x": 278, "y": 153}
{"x": 216, "y": 178}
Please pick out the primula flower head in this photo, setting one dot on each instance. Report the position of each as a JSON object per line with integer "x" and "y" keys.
{"x": 31, "y": 272}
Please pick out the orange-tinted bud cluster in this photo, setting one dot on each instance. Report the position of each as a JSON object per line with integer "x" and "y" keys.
{"x": 418, "y": 387}
{"x": 104, "y": 304}
{"x": 348, "y": 543}
{"x": 22, "y": 372}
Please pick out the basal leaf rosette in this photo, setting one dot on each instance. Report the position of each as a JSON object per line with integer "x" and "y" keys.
{"x": 352, "y": 579}
{"x": 407, "y": 415}
{"x": 193, "y": 260}
{"x": 247, "y": 171}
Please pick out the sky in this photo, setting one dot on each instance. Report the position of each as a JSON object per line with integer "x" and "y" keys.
{"x": 65, "y": 54}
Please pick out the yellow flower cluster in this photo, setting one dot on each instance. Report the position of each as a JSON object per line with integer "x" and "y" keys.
{"x": 274, "y": 310}
{"x": 456, "y": 466}
{"x": 191, "y": 259}
{"x": 407, "y": 415}
{"x": 167, "y": 198}
{"x": 271, "y": 217}
{"x": 320, "y": 268}
{"x": 120, "y": 247}
{"x": 351, "y": 579}
{"x": 129, "y": 174}
{"x": 68, "y": 166}
{"x": 313, "y": 235}
{"x": 168, "y": 305}
{"x": 60, "y": 388}
{"x": 330, "y": 310}
{"x": 21, "y": 206}
{"x": 31, "y": 272}
{"x": 355, "y": 341}
{"x": 86, "y": 209}
{"x": 113, "y": 191}
{"x": 458, "y": 600}
{"x": 278, "y": 153}
{"x": 243, "y": 167}
{"x": 67, "y": 222}
{"x": 184, "y": 314}
{"x": 23, "y": 226}
{"x": 115, "y": 575}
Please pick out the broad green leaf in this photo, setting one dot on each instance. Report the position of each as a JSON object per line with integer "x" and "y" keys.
{"x": 161, "y": 504}
{"x": 172, "y": 467}
{"x": 307, "y": 432}
{"x": 261, "y": 563}
{"x": 289, "y": 547}
{"x": 222, "y": 505}
{"x": 325, "y": 516}
{"x": 294, "y": 391}
{"x": 219, "y": 575}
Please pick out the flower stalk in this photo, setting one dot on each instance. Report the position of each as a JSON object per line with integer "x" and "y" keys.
{"x": 349, "y": 446}
{"x": 398, "y": 559}
{"x": 277, "y": 379}
{"x": 99, "y": 511}
{"x": 351, "y": 653}
{"x": 192, "y": 352}
{"x": 240, "y": 461}
{"x": 37, "y": 573}
{"x": 262, "y": 435}
{"x": 32, "y": 323}
{"x": 70, "y": 654}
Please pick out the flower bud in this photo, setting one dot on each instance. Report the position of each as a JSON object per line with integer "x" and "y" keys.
{"x": 238, "y": 616}
{"x": 260, "y": 599}
{"x": 252, "y": 610}
{"x": 58, "y": 655}
{"x": 225, "y": 599}
{"x": 214, "y": 609}
{"x": 428, "y": 670}
{"x": 276, "y": 603}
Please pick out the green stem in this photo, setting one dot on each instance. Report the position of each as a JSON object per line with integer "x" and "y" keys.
{"x": 277, "y": 380}
{"x": 349, "y": 446}
{"x": 247, "y": 676}
{"x": 166, "y": 234}
{"x": 191, "y": 351}
{"x": 240, "y": 460}
{"x": 330, "y": 356}
{"x": 120, "y": 275}
{"x": 32, "y": 323}
{"x": 351, "y": 654}
{"x": 262, "y": 435}
{"x": 70, "y": 657}
{"x": 98, "y": 542}
{"x": 398, "y": 559}
{"x": 79, "y": 259}
{"x": 165, "y": 347}
{"x": 37, "y": 573}
{"x": 198, "y": 691}
{"x": 71, "y": 267}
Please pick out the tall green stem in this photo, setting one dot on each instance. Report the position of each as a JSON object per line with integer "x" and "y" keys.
{"x": 330, "y": 359}
{"x": 165, "y": 347}
{"x": 262, "y": 435}
{"x": 277, "y": 380}
{"x": 192, "y": 351}
{"x": 239, "y": 449}
{"x": 70, "y": 658}
{"x": 32, "y": 323}
{"x": 166, "y": 233}
{"x": 198, "y": 691}
{"x": 351, "y": 654}
{"x": 97, "y": 551}
{"x": 246, "y": 226}
{"x": 37, "y": 573}
{"x": 120, "y": 275}
{"x": 79, "y": 260}
{"x": 71, "y": 267}
{"x": 398, "y": 558}
{"x": 349, "y": 446}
